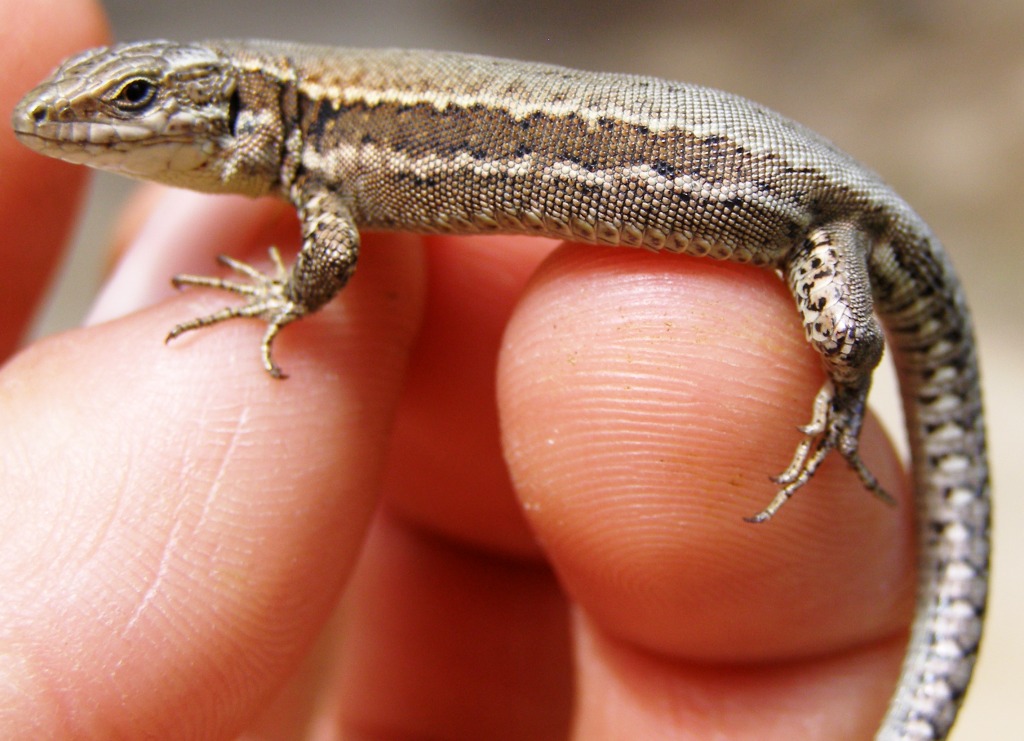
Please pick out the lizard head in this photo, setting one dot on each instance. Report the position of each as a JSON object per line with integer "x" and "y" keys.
{"x": 156, "y": 110}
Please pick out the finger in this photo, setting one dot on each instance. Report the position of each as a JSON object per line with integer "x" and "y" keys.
{"x": 447, "y": 472}
{"x": 625, "y": 693}
{"x": 450, "y": 642}
{"x": 449, "y": 586}
{"x": 38, "y": 195}
{"x": 177, "y": 525}
{"x": 166, "y": 231}
{"x": 645, "y": 400}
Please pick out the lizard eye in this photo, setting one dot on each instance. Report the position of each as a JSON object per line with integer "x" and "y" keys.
{"x": 135, "y": 95}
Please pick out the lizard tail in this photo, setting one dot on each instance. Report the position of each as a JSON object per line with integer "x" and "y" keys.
{"x": 929, "y": 328}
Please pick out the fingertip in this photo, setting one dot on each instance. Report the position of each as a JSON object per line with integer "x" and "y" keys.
{"x": 645, "y": 400}
{"x": 38, "y": 195}
{"x": 181, "y": 517}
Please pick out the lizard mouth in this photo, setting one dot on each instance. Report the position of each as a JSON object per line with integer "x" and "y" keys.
{"x": 142, "y": 159}
{"x": 31, "y": 125}
{"x": 51, "y": 121}
{"x": 103, "y": 152}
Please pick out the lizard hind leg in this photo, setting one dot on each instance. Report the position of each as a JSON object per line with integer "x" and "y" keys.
{"x": 829, "y": 279}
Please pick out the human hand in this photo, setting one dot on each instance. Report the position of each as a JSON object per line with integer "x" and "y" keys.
{"x": 177, "y": 527}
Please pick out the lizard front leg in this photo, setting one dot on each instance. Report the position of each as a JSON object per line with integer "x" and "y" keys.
{"x": 326, "y": 261}
{"x": 828, "y": 277}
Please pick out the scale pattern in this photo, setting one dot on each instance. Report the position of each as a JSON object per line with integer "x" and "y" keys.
{"x": 437, "y": 142}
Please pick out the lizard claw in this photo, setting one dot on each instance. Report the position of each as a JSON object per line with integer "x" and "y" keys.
{"x": 267, "y": 300}
{"x": 835, "y": 425}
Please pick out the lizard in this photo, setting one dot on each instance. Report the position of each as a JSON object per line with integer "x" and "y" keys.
{"x": 449, "y": 143}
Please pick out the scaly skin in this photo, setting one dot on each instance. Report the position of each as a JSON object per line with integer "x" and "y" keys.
{"x": 434, "y": 142}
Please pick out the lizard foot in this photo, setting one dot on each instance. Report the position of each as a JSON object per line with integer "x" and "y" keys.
{"x": 835, "y": 425}
{"x": 267, "y": 300}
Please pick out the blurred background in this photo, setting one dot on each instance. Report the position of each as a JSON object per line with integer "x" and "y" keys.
{"x": 930, "y": 93}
